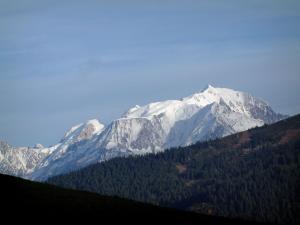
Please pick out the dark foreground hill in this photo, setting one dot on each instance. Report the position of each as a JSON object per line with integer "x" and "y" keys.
{"x": 253, "y": 175}
{"x": 25, "y": 201}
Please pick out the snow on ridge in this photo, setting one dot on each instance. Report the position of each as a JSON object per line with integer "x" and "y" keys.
{"x": 211, "y": 113}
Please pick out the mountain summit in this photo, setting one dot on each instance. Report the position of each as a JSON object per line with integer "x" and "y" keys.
{"x": 208, "y": 114}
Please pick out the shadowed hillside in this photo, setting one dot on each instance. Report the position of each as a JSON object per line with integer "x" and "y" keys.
{"x": 27, "y": 201}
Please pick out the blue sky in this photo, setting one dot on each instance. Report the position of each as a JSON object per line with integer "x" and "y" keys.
{"x": 64, "y": 62}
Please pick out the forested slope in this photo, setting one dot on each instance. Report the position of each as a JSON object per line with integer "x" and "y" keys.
{"x": 252, "y": 175}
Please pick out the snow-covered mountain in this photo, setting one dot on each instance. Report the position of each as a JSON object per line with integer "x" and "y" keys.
{"x": 20, "y": 161}
{"x": 211, "y": 113}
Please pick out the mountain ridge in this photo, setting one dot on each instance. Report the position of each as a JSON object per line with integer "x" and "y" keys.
{"x": 208, "y": 114}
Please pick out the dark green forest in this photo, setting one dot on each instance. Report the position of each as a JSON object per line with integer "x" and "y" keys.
{"x": 254, "y": 175}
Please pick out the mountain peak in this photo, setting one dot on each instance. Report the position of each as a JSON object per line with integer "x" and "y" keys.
{"x": 207, "y": 87}
{"x": 38, "y": 146}
{"x": 94, "y": 122}
{"x": 84, "y": 130}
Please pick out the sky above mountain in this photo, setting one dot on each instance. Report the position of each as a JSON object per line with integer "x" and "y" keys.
{"x": 64, "y": 62}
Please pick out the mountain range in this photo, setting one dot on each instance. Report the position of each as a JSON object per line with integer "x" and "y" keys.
{"x": 152, "y": 128}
